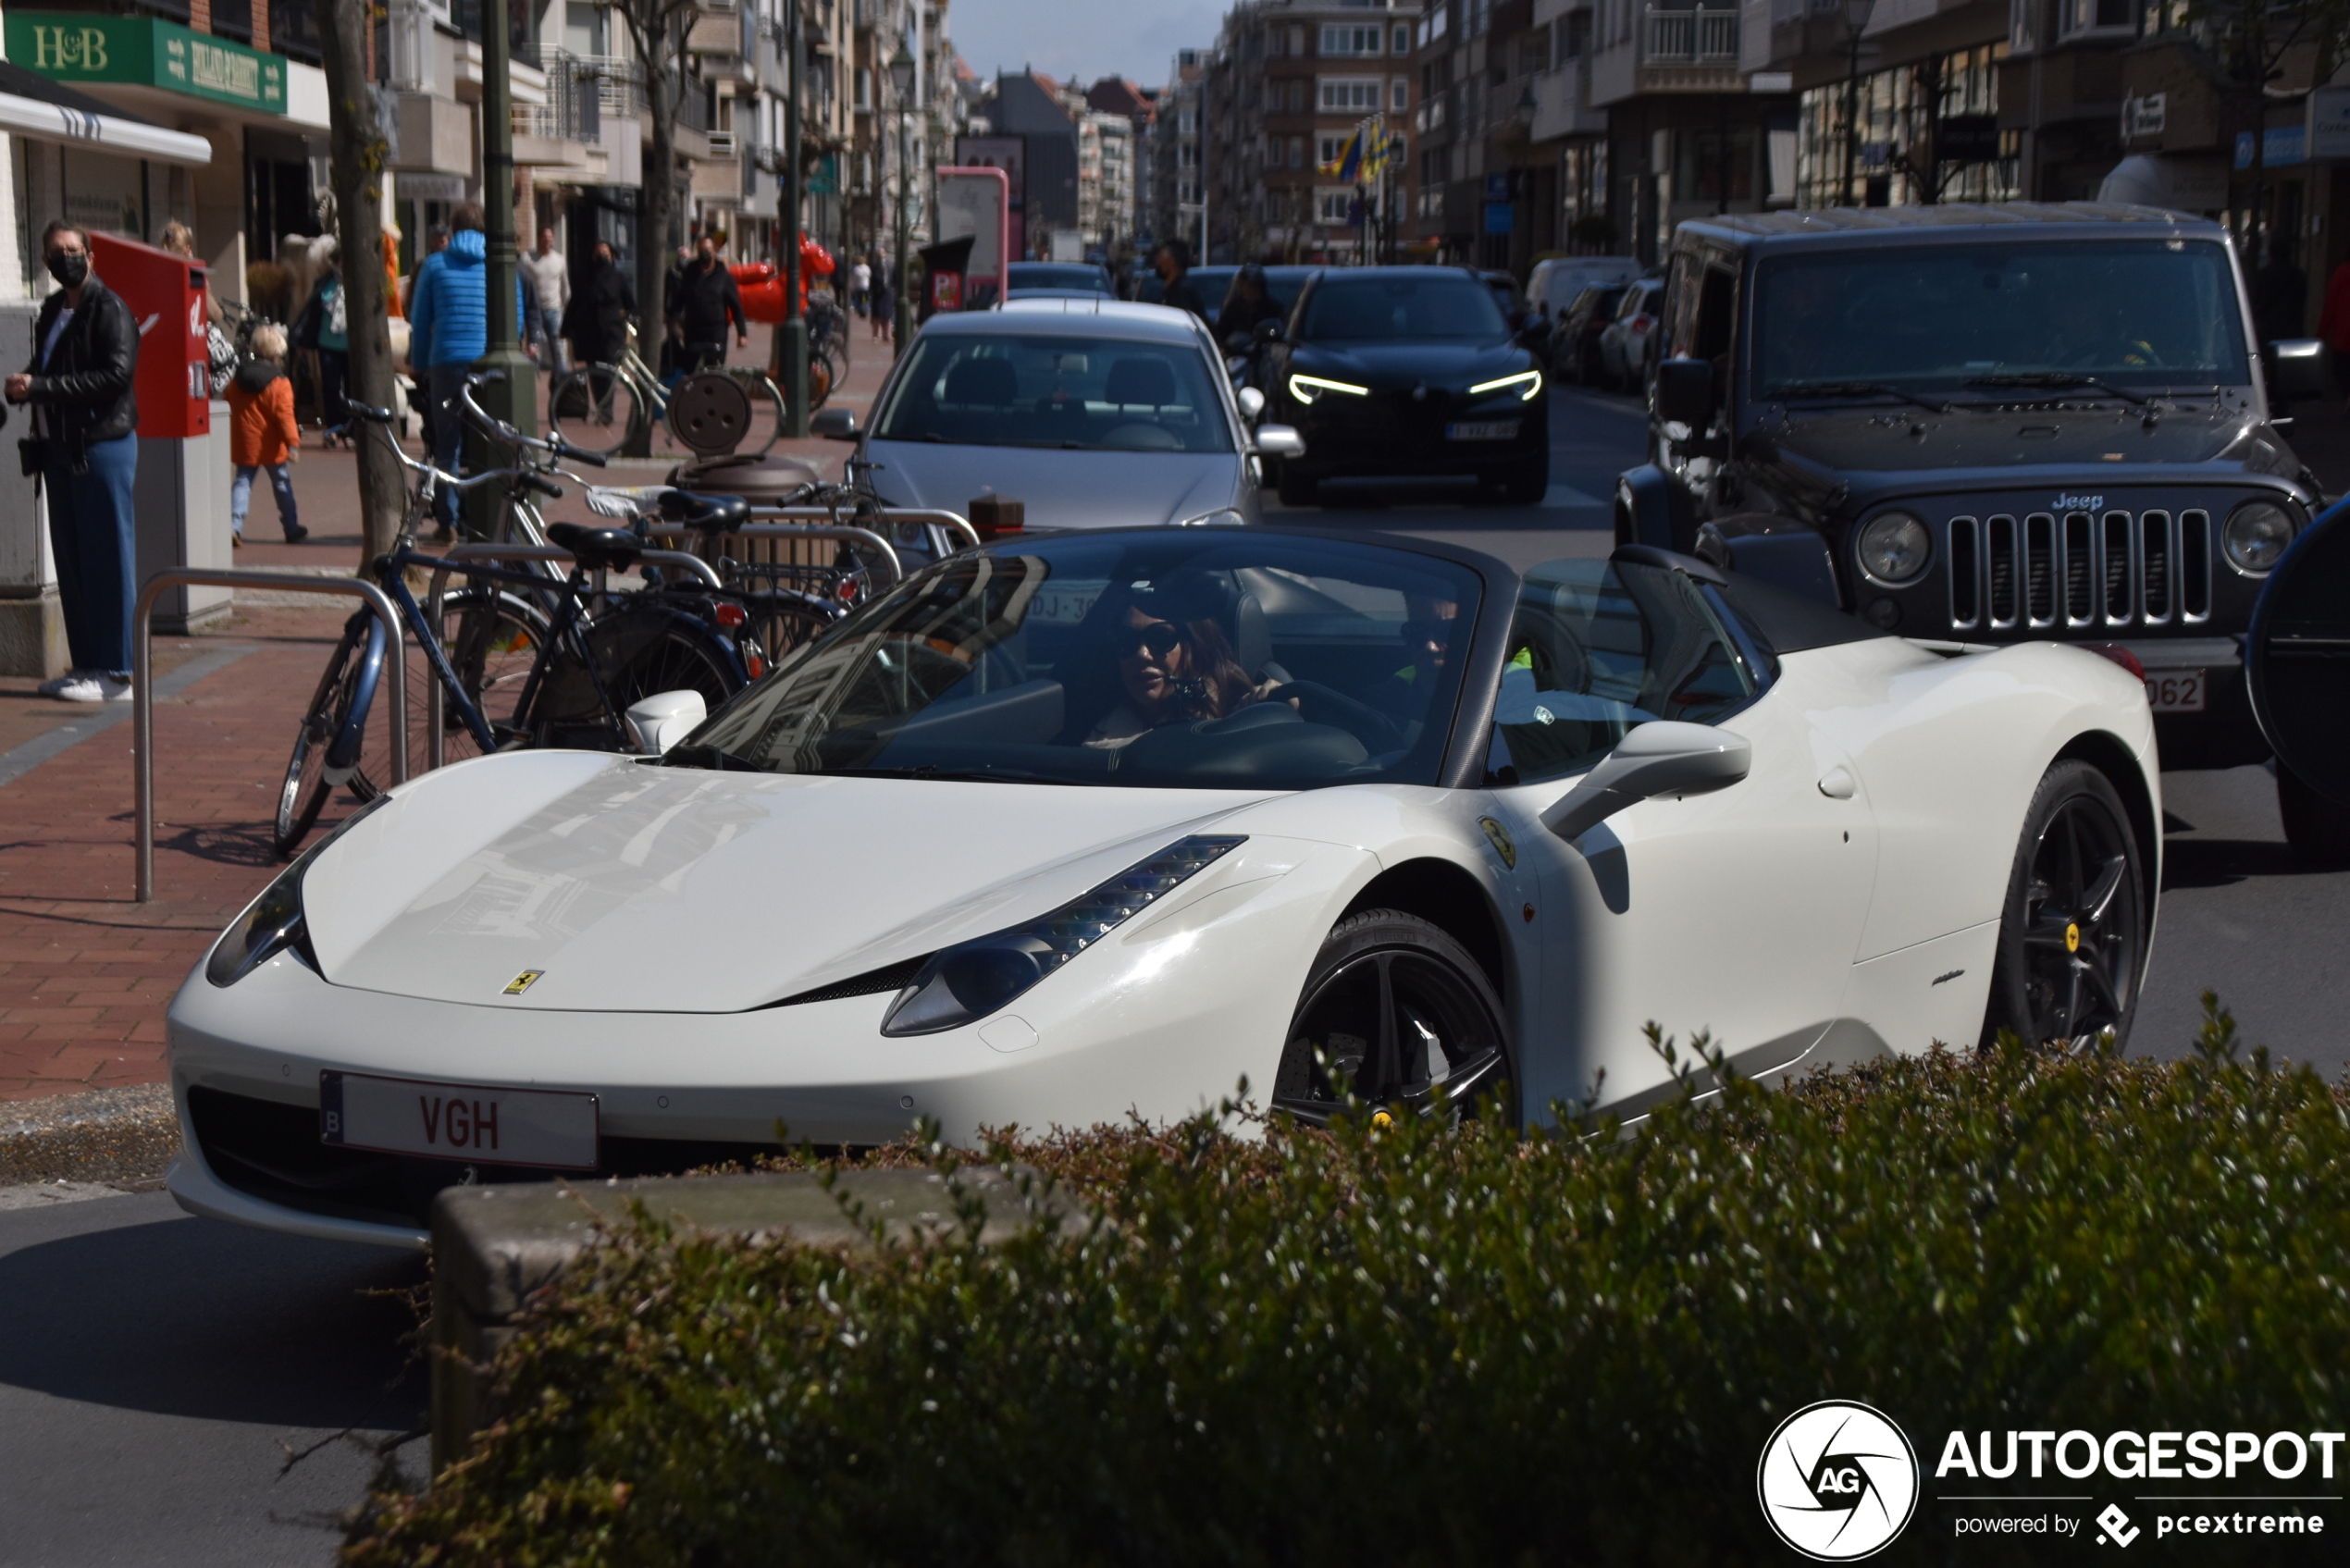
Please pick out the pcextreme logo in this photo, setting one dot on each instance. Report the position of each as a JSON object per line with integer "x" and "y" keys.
{"x": 1838, "y": 1481}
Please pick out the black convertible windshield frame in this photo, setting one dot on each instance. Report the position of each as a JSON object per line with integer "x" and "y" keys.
{"x": 1258, "y": 659}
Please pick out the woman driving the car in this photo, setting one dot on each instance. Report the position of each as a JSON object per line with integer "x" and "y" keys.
{"x": 1175, "y": 662}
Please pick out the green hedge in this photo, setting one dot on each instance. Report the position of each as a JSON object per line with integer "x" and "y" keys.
{"x": 1408, "y": 1344}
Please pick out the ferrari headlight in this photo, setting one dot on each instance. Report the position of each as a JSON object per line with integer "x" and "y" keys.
{"x": 1526, "y": 382}
{"x": 2255, "y": 537}
{"x": 973, "y": 979}
{"x": 273, "y": 923}
{"x": 1894, "y": 548}
{"x": 1306, "y": 389}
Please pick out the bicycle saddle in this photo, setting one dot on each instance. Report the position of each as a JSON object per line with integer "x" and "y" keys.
{"x": 711, "y": 514}
{"x": 596, "y": 548}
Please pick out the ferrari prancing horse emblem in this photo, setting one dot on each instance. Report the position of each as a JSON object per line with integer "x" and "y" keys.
{"x": 523, "y": 982}
{"x": 1503, "y": 845}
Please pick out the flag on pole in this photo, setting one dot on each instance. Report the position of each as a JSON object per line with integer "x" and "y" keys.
{"x": 1348, "y": 164}
{"x": 1386, "y": 146}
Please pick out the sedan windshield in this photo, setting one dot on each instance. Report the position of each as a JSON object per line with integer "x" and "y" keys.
{"x": 1094, "y": 394}
{"x": 1402, "y": 309}
{"x": 1049, "y": 274}
{"x": 1204, "y": 659}
{"x": 2126, "y": 312}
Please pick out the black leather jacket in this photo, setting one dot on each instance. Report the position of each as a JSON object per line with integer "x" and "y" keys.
{"x": 86, "y": 388}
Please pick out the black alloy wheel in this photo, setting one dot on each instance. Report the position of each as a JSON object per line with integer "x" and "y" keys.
{"x": 1396, "y": 1012}
{"x": 2072, "y": 932}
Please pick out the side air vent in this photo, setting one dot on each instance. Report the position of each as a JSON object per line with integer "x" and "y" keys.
{"x": 873, "y": 982}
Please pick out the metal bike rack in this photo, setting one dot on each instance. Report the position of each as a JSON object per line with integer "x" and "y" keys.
{"x": 435, "y": 714}
{"x": 935, "y": 516}
{"x": 142, "y": 713}
{"x": 866, "y": 536}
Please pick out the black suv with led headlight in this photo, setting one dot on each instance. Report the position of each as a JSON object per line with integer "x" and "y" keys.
{"x": 1987, "y": 424}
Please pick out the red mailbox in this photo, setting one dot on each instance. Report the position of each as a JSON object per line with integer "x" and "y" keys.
{"x": 165, "y": 293}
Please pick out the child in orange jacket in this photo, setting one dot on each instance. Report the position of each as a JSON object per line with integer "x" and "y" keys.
{"x": 262, "y": 432}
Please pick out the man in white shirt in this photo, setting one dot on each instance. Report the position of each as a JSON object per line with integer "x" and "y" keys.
{"x": 550, "y": 275}
{"x": 861, "y": 285}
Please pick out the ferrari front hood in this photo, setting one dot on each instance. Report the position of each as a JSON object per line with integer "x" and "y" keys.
{"x": 567, "y": 881}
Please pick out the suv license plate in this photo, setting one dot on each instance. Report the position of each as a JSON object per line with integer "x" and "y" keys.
{"x": 2176, "y": 691}
{"x": 1482, "y": 430}
{"x": 458, "y": 1122}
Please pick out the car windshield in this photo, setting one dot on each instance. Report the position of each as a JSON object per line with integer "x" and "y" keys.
{"x": 1392, "y": 310}
{"x": 1049, "y": 275}
{"x": 1202, "y": 660}
{"x": 1087, "y": 394}
{"x": 2128, "y": 312}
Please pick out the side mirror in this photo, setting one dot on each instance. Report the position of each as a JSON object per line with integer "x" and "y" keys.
{"x": 1685, "y": 391}
{"x": 1269, "y": 331}
{"x": 1279, "y": 440}
{"x": 2299, "y": 366}
{"x": 835, "y": 424}
{"x": 1252, "y": 402}
{"x": 665, "y": 717}
{"x": 1662, "y": 756}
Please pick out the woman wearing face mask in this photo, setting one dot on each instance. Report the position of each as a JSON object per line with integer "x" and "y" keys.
{"x": 85, "y": 348}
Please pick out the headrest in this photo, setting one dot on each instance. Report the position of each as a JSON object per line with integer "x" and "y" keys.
{"x": 991, "y": 383}
{"x": 1142, "y": 380}
{"x": 1252, "y": 637}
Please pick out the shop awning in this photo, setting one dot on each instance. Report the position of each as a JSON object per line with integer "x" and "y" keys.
{"x": 33, "y": 105}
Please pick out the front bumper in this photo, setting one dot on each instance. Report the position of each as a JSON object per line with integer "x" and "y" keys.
{"x": 1159, "y": 1021}
{"x": 1389, "y": 433}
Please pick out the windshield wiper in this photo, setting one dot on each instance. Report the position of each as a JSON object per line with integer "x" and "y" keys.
{"x": 1850, "y": 389}
{"x": 2058, "y": 380}
{"x": 716, "y": 759}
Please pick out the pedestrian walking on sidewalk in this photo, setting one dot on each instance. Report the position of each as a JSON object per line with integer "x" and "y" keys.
{"x": 548, "y": 273}
{"x": 85, "y": 351}
{"x": 447, "y": 330}
{"x": 884, "y": 317}
{"x": 263, "y": 433}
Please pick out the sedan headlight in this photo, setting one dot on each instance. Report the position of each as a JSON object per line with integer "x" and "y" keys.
{"x": 1895, "y": 548}
{"x": 273, "y": 923}
{"x": 1307, "y": 388}
{"x": 1527, "y": 383}
{"x": 2255, "y": 537}
{"x": 973, "y": 979}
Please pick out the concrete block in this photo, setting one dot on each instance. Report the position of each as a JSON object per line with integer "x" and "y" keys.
{"x": 496, "y": 1250}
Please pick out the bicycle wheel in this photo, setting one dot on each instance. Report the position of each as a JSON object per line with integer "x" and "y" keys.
{"x": 780, "y": 625}
{"x": 596, "y": 408}
{"x": 329, "y": 720}
{"x": 492, "y": 639}
{"x": 678, "y": 660}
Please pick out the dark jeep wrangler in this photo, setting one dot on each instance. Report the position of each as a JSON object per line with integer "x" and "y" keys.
{"x": 1989, "y": 425}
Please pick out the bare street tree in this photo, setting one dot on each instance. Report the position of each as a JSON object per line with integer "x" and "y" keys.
{"x": 658, "y": 29}
{"x": 361, "y": 150}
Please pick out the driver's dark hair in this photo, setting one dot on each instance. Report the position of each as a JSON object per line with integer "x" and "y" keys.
{"x": 1223, "y": 685}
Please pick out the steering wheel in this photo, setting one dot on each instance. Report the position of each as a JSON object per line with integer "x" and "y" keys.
{"x": 1319, "y": 703}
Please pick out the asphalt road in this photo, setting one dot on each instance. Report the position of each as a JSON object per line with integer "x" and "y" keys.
{"x": 156, "y": 1371}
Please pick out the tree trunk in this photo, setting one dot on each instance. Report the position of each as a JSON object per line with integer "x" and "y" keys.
{"x": 361, "y": 150}
{"x": 657, "y": 202}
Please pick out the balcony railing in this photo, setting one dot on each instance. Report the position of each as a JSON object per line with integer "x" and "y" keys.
{"x": 1693, "y": 37}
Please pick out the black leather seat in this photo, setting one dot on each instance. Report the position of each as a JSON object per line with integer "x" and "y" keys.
{"x": 596, "y": 548}
{"x": 711, "y": 514}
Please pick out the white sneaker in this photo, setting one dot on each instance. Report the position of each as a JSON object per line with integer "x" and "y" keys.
{"x": 94, "y": 688}
{"x": 52, "y": 687}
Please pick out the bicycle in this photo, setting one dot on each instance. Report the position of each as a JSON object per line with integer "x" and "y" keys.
{"x": 602, "y": 408}
{"x": 520, "y": 675}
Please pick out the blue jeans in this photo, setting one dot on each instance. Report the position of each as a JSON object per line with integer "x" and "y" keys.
{"x": 280, "y": 484}
{"x": 550, "y": 329}
{"x": 91, "y": 534}
{"x": 444, "y": 382}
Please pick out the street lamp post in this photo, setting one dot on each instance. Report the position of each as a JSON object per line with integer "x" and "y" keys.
{"x": 795, "y": 324}
{"x": 1856, "y": 18}
{"x": 515, "y": 400}
{"x": 901, "y": 82}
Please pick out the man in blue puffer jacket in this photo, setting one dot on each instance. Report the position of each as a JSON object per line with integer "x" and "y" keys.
{"x": 447, "y": 330}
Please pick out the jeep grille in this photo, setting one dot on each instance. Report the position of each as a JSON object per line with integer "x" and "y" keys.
{"x": 2078, "y": 571}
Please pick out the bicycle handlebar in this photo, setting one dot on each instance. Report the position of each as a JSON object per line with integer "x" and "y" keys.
{"x": 554, "y": 445}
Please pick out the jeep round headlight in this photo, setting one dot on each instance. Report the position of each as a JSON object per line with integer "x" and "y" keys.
{"x": 2255, "y": 537}
{"x": 1894, "y": 548}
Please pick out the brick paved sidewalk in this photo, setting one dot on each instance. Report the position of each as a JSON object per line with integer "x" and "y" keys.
{"x": 85, "y": 973}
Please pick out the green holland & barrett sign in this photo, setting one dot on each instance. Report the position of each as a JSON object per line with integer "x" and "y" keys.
{"x": 146, "y": 52}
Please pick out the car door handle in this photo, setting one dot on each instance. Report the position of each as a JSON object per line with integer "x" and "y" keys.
{"x": 1836, "y": 783}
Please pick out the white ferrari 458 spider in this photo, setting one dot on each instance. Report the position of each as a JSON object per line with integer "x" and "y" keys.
{"x": 1079, "y": 826}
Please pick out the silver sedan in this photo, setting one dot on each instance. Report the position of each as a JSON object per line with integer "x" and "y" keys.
{"x": 1091, "y": 414}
